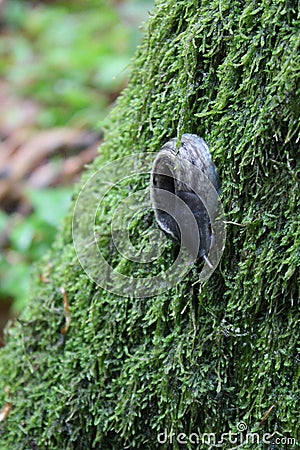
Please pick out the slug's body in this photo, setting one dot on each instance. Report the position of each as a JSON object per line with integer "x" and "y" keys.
{"x": 182, "y": 179}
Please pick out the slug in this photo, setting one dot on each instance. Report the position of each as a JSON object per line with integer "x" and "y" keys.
{"x": 182, "y": 177}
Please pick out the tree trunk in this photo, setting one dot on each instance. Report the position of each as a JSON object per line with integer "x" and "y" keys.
{"x": 214, "y": 357}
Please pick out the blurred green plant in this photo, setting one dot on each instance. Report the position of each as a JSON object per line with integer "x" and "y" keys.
{"x": 72, "y": 58}
{"x": 29, "y": 239}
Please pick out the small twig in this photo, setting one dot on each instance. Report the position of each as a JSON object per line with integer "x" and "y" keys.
{"x": 267, "y": 414}
{"x": 207, "y": 261}
{"x": 65, "y": 329}
{"x": 4, "y": 413}
{"x": 234, "y": 223}
{"x": 44, "y": 277}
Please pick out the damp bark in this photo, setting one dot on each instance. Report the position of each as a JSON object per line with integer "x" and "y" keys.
{"x": 195, "y": 359}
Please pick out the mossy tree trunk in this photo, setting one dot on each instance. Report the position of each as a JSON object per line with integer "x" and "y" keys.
{"x": 193, "y": 359}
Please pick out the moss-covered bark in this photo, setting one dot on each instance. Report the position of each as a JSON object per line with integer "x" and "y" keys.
{"x": 190, "y": 360}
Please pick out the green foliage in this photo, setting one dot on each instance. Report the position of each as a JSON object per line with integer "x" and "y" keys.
{"x": 29, "y": 240}
{"x": 73, "y": 59}
{"x": 198, "y": 358}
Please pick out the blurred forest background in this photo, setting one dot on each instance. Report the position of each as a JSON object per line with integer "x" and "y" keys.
{"x": 62, "y": 66}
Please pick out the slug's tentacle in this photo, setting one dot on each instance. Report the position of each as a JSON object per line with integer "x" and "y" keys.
{"x": 189, "y": 174}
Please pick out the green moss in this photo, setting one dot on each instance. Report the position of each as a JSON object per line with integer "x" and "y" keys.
{"x": 196, "y": 358}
